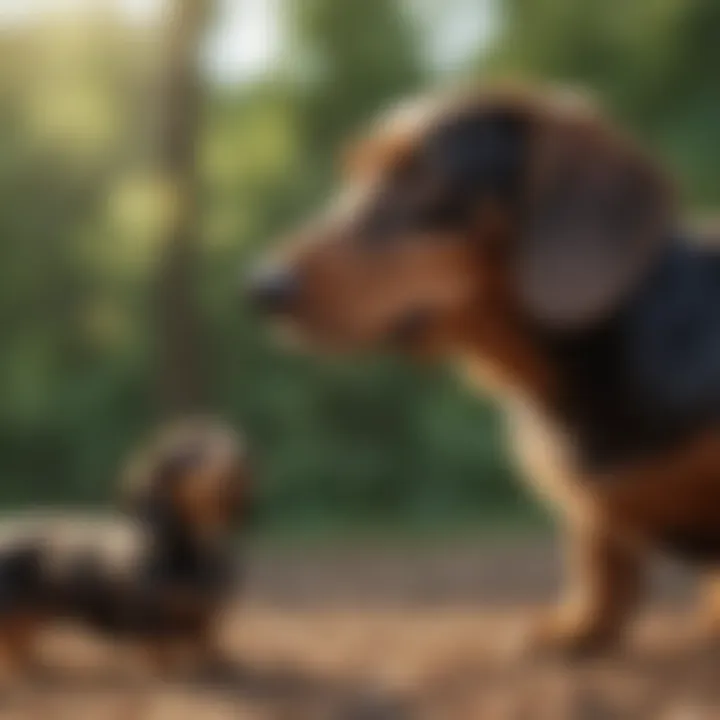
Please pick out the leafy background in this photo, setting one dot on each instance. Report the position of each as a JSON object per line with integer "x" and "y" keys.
{"x": 83, "y": 235}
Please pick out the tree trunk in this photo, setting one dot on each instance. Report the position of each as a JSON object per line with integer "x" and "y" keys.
{"x": 178, "y": 333}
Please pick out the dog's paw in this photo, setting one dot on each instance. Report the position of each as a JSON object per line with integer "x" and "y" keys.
{"x": 557, "y": 636}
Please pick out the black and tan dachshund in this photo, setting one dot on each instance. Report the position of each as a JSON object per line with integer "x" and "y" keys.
{"x": 160, "y": 576}
{"x": 519, "y": 235}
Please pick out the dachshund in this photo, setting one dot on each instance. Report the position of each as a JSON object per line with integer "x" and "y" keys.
{"x": 522, "y": 237}
{"x": 159, "y": 576}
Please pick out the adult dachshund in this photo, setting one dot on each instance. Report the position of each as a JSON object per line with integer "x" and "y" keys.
{"x": 525, "y": 239}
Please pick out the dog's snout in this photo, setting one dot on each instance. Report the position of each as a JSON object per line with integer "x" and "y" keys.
{"x": 273, "y": 290}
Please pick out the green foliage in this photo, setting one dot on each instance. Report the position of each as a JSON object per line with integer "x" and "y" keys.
{"x": 364, "y": 440}
{"x": 652, "y": 63}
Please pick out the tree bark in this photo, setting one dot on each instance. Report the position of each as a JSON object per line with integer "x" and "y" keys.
{"x": 178, "y": 332}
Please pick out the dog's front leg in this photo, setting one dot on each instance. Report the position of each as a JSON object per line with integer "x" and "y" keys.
{"x": 709, "y": 616}
{"x": 604, "y": 580}
{"x": 206, "y": 644}
{"x": 160, "y": 658}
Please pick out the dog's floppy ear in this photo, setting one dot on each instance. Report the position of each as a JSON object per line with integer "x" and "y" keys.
{"x": 151, "y": 480}
{"x": 597, "y": 213}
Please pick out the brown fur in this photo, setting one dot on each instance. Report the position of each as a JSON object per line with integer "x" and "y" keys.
{"x": 481, "y": 289}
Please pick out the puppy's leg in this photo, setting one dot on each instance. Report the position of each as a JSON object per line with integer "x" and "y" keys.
{"x": 160, "y": 656}
{"x": 206, "y": 647}
{"x": 602, "y": 589}
{"x": 18, "y": 633}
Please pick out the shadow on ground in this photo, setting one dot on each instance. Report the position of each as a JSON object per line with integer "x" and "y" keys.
{"x": 391, "y": 636}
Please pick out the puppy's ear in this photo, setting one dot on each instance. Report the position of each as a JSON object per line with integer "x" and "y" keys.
{"x": 596, "y": 215}
{"x": 151, "y": 481}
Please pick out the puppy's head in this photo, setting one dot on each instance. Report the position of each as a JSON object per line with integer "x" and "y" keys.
{"x": 195, "y": 474}
{"x": 464, "y": 207}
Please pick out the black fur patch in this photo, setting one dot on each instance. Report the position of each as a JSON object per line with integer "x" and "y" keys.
{"x": 141, "y": 602}
{"x": 479, "y": 152}
{"x": 472, "y": 157}
{"x": 697, "y": 546}
{"x": 649, "y": 377}
{"x": 172, "y": 588}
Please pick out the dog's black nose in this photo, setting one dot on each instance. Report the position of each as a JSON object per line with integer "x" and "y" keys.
{"x": 272, "y": 290}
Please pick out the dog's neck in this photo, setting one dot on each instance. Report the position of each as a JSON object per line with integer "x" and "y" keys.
{"x": 493, "y": 345}
{"x": 640, "y": 380}
{"x": 171, "y": 537}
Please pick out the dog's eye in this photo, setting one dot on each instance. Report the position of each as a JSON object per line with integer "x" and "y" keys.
{"x": 409, "y": 202}
{"x": 448, "y": 209}
{"x": 392, "y": 218}
{"x": 390, "y": 213}
{"x": 379, "y": 222}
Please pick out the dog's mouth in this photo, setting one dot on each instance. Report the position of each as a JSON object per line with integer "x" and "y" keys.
{"x": 411, "y": 328}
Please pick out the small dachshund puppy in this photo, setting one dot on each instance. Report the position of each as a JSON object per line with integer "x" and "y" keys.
{"x": 160, "y": 576}
{"x": 519, "y": 235}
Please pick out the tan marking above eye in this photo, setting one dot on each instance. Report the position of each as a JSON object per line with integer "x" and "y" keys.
{"x": 390, "y": 139}
{"x": 200, "y": 498}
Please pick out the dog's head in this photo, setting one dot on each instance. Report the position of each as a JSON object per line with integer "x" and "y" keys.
{"x": 195, "y": 474}
{"x": 455, "y": 210}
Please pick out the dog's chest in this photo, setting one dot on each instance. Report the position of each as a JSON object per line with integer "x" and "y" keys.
{"x": 168, "y": 590}
{"x": 546, "y": 459}
{"x": 635, "y": 432}
{"x": 671, "y": 500}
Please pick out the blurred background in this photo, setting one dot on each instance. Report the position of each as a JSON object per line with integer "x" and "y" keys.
{"x": 150, "y": 149}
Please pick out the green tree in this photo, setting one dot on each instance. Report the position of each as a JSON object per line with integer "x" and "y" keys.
{"x": 652, "y": 62}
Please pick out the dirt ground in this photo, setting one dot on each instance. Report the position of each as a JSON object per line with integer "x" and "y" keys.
{"x": 375, "y": 634}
